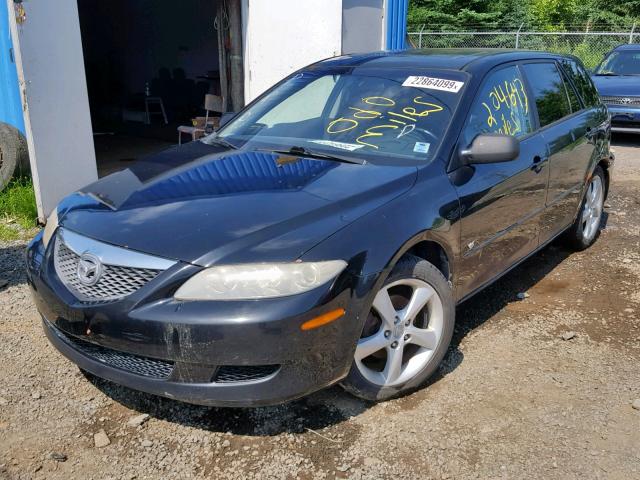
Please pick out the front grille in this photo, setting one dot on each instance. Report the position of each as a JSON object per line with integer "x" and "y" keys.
{"x": 147, "y": 367}
{"x": 231, "y": 374}
{"x": 630, "y": 101}
{"x": 115, "y": 283}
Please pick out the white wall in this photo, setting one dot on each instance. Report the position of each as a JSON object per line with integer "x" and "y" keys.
{"x": 281, "y": 36}
{"x": 363, "y": 26}
{"x": 50, "y": 65}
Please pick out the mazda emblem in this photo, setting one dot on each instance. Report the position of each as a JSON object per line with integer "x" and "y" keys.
{"x": 627, "y": 100}
{"x": 89, "y": 269}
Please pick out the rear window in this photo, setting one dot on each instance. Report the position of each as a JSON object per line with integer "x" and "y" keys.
{"x": 582, "y": 81}
{"x": 548, "y": 91}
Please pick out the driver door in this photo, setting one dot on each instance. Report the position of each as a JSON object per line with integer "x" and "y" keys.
{"x": 501, "y": 203}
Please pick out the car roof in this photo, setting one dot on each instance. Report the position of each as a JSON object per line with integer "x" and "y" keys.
{"x": 627, "y": 46}
{"x": 472, "y": 60}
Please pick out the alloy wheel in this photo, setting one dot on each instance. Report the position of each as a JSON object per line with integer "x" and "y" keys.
{"x": 592, "y": 211}
{"x": 403, "y": 329}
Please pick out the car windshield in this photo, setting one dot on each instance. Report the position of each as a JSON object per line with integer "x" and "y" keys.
{"x": 620, "y": 63}
{"x": 359, "y": 113}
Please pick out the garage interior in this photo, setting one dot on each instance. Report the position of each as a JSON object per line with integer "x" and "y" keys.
{"x": 149, "y": 66}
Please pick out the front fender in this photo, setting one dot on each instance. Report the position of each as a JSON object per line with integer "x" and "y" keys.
{"x": 373, "y": 244}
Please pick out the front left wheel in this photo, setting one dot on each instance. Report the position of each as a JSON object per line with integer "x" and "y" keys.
{"x": 406, "y": 334}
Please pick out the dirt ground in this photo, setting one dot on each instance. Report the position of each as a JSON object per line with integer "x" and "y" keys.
{"x": 512, "y": 400}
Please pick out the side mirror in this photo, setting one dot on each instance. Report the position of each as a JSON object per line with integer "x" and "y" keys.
{"x": 225, "y": 118}
{"x": 491, "y": 148}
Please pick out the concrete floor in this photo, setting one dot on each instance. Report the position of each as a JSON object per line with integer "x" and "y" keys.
{"x": 117, "y": 152}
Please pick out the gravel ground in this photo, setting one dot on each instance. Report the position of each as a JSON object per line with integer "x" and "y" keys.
{"x": 537, "y": 388}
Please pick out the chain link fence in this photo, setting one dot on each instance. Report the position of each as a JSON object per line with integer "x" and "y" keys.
{"x": 589, "y": 46}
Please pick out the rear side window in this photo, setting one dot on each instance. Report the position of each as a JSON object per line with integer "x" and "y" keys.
{"x": 549, "y": 92}
{"x": 582, "y": 81}
{"x": 501, "y": 106}
{"x": 573, "y": 96}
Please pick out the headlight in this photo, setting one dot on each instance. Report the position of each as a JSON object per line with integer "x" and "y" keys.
{"x": 50, "y": 227}
{"x": 244, "y": 282}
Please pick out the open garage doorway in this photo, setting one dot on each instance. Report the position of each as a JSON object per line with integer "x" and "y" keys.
{"x": 150, "y": 65}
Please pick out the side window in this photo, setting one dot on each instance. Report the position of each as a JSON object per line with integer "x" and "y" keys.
{"x": 582, "y": 81}
{"x": 574, "y": 101}
{"x": 549, "y": 92}
{"x": 502, "y": 106}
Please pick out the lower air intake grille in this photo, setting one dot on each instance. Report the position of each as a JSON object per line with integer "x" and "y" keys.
{"x": 147, "y": 367}
{"x": 231, "y": 374}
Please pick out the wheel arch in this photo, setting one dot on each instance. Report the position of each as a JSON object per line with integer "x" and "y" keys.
{"x": 606, "y": 164}
{"x": 432, "y": 247}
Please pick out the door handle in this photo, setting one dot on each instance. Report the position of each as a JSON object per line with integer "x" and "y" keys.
{"x": 538, "y": 163}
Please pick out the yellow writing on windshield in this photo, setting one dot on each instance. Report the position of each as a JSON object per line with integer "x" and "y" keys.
{"x": 393, "y": 115}
{"x": 379, "y": 101}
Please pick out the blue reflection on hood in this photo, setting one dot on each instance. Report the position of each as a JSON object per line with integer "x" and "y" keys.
{"x": 248, "y": 171}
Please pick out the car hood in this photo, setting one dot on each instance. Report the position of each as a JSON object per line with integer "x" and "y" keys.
{"x": 201, "y": 205}
{"x": 621, "y": 86}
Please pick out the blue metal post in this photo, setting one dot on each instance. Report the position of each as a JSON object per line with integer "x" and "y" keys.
{"x": 10, "y": 103}
{"x": 396, "y": 24}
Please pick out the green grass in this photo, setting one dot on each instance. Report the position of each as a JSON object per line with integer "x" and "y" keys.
{"x": 18, "y": 211}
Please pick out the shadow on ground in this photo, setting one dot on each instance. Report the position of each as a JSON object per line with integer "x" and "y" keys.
{"x": 625, "y": 140}
{"x": 12, "y": 266}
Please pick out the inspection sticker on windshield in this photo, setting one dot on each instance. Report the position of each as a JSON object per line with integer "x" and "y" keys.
{"x": 342, "y": 146}
{"x": 433, "y": 83}
{"x": 421, "y": 147}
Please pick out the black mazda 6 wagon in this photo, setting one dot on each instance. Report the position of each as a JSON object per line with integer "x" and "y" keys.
{"x": 327, "y": 232}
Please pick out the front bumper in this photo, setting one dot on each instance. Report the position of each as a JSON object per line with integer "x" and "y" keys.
{"x": 210, "y": 353}
{"x": 624, "y": 119}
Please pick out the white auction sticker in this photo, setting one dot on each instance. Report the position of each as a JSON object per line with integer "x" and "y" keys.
{"x": 342, "y": 146}
{"x": 433, "y": 83}
{"x": 421, "y": 147}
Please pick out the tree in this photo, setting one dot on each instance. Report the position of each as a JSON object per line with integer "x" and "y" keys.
{"x": 539, "y": 14}
{"x": 456, "y": 14}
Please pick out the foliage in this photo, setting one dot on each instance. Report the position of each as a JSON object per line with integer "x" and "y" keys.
{"x": 452, "y": 13}
{"x": 550, "y": 15}
{"x": 18, "y": 211}
{"x": 576, "y": 16}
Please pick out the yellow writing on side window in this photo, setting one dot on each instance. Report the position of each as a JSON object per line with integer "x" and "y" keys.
{"x": 406, "y": 115}
{"x": 506, "y": 102}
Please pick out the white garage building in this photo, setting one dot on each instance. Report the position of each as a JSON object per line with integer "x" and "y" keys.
{"x": 91, "y": 72}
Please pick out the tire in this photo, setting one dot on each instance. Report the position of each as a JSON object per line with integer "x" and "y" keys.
{"x": 398, "y": 355}
{"x": 14, "y": 157}
{"x": 586, "y": 228}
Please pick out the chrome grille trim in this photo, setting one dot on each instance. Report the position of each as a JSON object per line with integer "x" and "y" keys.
{"x": 111, "y": 255}
{"x": 118, "y": 279}
{"x": 620, "y": 100}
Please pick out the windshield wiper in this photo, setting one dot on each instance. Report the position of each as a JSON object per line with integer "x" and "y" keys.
{"x": 607, "y": 74}
{"x": 223, "y": 142}
{"x": 304, "y": 152}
